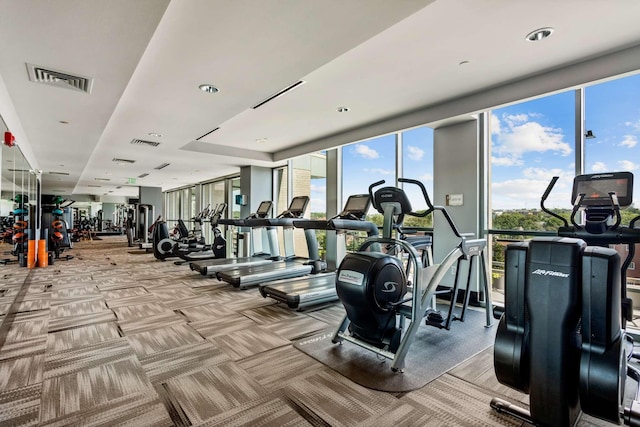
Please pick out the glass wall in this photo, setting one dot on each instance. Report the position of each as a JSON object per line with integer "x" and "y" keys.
{"x": 530, "y": 143}
{"x": 417, "y": 163}
{"x": 213, "y": 193}
{"x": 612, "y": 114}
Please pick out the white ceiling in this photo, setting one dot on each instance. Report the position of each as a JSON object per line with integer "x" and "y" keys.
{"x": 380, "y": 58}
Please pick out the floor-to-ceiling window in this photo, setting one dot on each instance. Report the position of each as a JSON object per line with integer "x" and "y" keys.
{"x": 530, "y": 143}
{"x": 213, "y": 193}
{"x": 612, "y": 115}
{"x": 417, "y": 163}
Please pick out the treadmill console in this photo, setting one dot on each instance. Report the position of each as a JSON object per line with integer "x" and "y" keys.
{"x": 596, "y": 188}
{"x": 297, "y": 207}
{"x": 264, "y": 209}
{"x": 356, "y": 207}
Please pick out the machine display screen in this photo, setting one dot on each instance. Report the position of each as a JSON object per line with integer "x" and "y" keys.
{"x": 596, "y": 188}
{"x": 299, "y": 204}
{"x": 263, "y": 209}
{"x": 357, "y": 205}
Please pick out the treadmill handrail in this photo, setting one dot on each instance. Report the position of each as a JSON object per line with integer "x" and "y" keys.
{"x": 354, "y": 224}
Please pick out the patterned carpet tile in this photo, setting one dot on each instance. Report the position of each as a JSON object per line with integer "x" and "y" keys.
{"x": 248, "y": 342}
{"x": 221, "y": 326}
{"x": 456, "y": 402}
{"x": 137, "y": 299}
{"x": 336, "y": 400}
{"x": 162, "y": 339}
{"x": 162, "y": 366}
{"x": 76, "y": 292}
{"x": 264, "y": 412}
{"x": 479, "y": 371}
{"x": 5, "y": 305}
{"x": 211, "y": 310}
{"x": 21, "y": 372}
{"x": 149, "y": 323}
{"x": 212, "y": 391}
{"x": 20, "y": 407}
{"x": 296, "y": 328}
{"x": 271, "y": 314}
{"x": 34, "y": 302}
{"x": 69, "y": 362}
{"x": 117, "y": 294}
{"x": 331, "y": 315}
{"x": 79, "y": 307}
{"x": 82, "y": 336}
{"x": 23, "y": 348}
{"x": 62, "y": 323}
{"x": 276, "y": 368}
{"x": 194, "y": 301}
{"x": 137, "y": 311}
{"x": 27, "y": 328}
{"x": 143, "y": 409}
{"x": 85, "y": 389}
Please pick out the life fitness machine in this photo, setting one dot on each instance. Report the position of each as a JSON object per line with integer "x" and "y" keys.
{"x": 561, "y": 338}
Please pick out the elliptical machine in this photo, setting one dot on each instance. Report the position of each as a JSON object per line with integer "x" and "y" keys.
{"x": 561, "y": 338}
{"x": 372, "y": 285}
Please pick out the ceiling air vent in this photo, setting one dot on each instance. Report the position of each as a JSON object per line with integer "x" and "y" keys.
{"x": 162, "y": 166}
{"x": 121, "y": 161}
{"x": 58, "y": 173}
{"x": 146, "y": 174}
{"x": 102, "y": 179}
{"x": 39, "y": 74}
{"x": 208, "y": 133}
{"x": 143, "y": 142}
{"x": 282, "y": 92}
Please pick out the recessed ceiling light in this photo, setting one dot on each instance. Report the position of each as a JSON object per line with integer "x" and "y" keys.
{"x": 157, "y": 135}
{"x": 261, "y": 140}
{"x": 539, "y": 34}
{"x": 209, "y": 88}
{"x": 342, "y": 109}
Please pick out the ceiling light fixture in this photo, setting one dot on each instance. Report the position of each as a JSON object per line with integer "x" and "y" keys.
{"x": 156, "y": 135}
{"x": 209, "y": 88}
{"x": 261, "y": 140}
{"x": 342, "y": 109}
{"x": 539, "y": 34}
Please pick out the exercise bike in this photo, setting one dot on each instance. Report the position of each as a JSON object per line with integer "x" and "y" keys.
{"x": 373, "y": 286}
{"x": 561, "y": 338}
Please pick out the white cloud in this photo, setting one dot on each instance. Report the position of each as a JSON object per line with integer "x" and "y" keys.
{"x": 365, "y": 152}
{"x": 635, "y": 125}
{"x": 629, "y": 141}
{"x": 513, "y": 119}
{"x": 599, "y": 167}
{"x": 415, "y": 153}
{"x": 380, "y": 171}
{"x": 318, "y": 188}
{"x": 526, "y": 192}
{"x": 531, "y": 137}
{"x": 505, "y": 161}
{"x": 426, "y": 177}
{"x": 496, "y": 127}
{"x": 627, "y": 165}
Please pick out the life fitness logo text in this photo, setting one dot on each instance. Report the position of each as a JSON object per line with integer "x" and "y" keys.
{"x": 351, "y": 277}
{"x": 541, "y": 272}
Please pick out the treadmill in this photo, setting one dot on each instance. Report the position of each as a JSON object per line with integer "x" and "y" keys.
{"x": 307, "y": 291}
{"x": 290, "y": 266}
{"x": 211, "y": 267}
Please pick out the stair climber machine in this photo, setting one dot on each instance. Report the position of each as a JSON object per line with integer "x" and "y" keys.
{"x": 289, "y": 266}
{"x": 561, "y": 338}
{"x": 304, "y": 292}
{"x": 166, "y": 245}
{"x": 217, "y": 249}
{"x": 258, "y": 235}
{"x": 381, "y": 295}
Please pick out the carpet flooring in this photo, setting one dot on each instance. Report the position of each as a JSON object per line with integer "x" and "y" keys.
{"x": 112, "y": 338}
